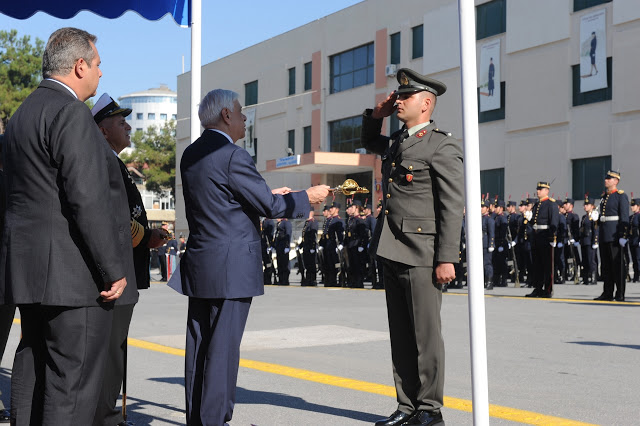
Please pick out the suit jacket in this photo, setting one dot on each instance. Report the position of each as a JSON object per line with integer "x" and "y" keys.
{"x": 224, "y": 197}
{"x": 67, "y": 228}
{"x": 423, "y": 197}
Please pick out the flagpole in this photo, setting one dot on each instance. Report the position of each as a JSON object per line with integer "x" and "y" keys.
{"x": 196, "y": 66}
{"x": 475, "y": 273}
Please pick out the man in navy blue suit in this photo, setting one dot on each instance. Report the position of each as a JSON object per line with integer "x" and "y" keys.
{"x": 221, "y": 270}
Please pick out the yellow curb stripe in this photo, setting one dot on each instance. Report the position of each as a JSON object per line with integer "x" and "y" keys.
{"x": 497, "y": 411}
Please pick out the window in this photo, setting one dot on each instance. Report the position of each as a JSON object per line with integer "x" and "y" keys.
{"x": 139, "y": 116}
{"x": 588, "y": 176}
{"x": 492, "y": 182}
{"x": 418, "y": 40}
{"x": 394, "y": 41}
{"x": 593, "y": 96}
{"x": 494, "y": 114}
{"x": 292, "y": 81}
{"x": 151, "y": 116}
{"x": 139, "y": 129}
{"x": 344, "y": 135}
{"x": 353, "y": 68}
{"x": 584, "y": 4}
{"x": 307, "y": 76}
{"x": 292, "y": 141}
{"x": 163, "y": 117}
{"x": 306, "y": 134}
{"x": 491, "y": 19}
{"x": 174, "y": 116}
{"x": 251, "y": 93}
{"x": 394, "y": 123}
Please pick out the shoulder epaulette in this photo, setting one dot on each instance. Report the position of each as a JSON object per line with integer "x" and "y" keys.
{"x": 620, "y": 191}
{"x": 444, "y": 132}
{"x": 552, "y": 200}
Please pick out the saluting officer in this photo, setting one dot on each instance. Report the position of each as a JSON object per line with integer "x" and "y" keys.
{"x": 589, "y": 242}
{"x": 488, "y": 244}
{"x": 634, "y": 238}
{"x": 309, "y": 246}
{"x": 613, "y": 227}
{"x": 544, "y": 222}
{"x": 283, "y": 246}
{"x": 418, "y": 235}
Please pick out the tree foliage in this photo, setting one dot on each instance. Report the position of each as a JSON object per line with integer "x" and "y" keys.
{"x": 154, "y": 154}
{"x": 20, "y": 71}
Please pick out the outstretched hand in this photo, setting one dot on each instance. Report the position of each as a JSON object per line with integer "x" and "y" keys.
{"x": 317, "y": 193}
{"x": 386, "y": 107}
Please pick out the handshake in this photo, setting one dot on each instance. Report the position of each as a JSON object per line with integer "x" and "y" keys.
{"x": 316, "y": 194}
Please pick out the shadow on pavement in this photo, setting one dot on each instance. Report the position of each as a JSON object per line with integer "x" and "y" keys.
{"x": 142, "y": 419}
{"x": 637, "y": 347}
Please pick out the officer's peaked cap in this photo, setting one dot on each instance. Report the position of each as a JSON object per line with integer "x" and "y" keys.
{"x": 412, "y": 82}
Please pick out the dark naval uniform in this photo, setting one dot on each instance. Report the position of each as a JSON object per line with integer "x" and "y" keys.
{"x": 613, "y": 228}
{"x": 561, "y": 240}
{"x": 500, "y": 269}
{"x": 571, "y": 249}
{"x": 355, "y": 241}
{"x": 266, "y": 242}
{"x": 589, "y": 244}
{"x": 283, "y": 245}
{"x": 488, "y": 246}
{"x": 523, "y": 246}
{"x": 634, "y": 240}
{"x": 545, "y": 224}
{"x": 309, "y": 247}
{"x": 513, "y": 220}
{"x": 419, "y": 227}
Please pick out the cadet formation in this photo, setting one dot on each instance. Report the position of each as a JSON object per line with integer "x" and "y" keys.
{"x": 536, "y": 242}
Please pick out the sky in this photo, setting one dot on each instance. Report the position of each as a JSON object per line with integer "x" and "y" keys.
{"x": 138, "y": 54}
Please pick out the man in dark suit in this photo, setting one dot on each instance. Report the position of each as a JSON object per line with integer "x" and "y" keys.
{"x": 221, "y": 270}
{"x": 66, "y": 252}
{"x": 110, "y": 118}
{"x": 418, "y": 239}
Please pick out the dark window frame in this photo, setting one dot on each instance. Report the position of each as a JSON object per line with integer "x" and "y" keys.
{"x": 417, "y": 41}
{"x": 349, "y": 70}
{"x": 491, "y": 19}
{"x": 599, "y": 95}
{"x": 292, "y": 81}
{"x": 344, "y": 134}
{"x": 585, "y": 4}
{"x": 251, "y": 94}
{"x": 488, "y": 187}
{"x": 306, "y": 137}
{"x": 291, "y": 140}
{"x": 394, "y": 48}
{"x": 495, "y": 114}
{"x": 588, "y": 176}
{"x": 308, "y": 74}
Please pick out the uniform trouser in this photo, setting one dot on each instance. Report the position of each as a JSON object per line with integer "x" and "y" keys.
{"x": 635, "y": 259}
{"x": 330, "y": 261}
{"x": 283, "y": 267}
{"x": 589, "y": 260}
{"x": 106, "y": 412}
{"x": 487, "y": 264}
{"x": 417, "y": 346}
{"x": 521, "y": 259}
{"x": 309, "y": 260}
{"x": 7, "y": 312}
{"x": 611, "y": 258}
{"x": 214, "y": 333}
{"x": 162, "y": 260}
{"x": 356, "y": 268}
{"x": 500, "y": 263}
{"x": 373, "y": 270}
{"x": 268, "y": 267}
{"x": 559, "y": 262}
{"x": 541, "y": 252}
{"x": 59, "y": 364}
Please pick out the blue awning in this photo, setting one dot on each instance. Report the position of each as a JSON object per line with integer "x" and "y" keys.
{"x": 148, "y": 9}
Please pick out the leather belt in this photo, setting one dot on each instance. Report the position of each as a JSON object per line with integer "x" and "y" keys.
{"x": 609, "y": 218}
{"x": 538, "y": 227}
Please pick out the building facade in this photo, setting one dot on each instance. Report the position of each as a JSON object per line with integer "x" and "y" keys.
{"x": 305, "y": 90}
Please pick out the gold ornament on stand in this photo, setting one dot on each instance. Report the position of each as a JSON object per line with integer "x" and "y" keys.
{"x": 349, "y": 187}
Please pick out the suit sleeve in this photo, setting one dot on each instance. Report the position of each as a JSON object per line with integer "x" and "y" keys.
{"x": 79, "y": 149}
{"x": 248, "y": 184}
{"x": 449, "y": 186}
{"x": 370, "y": 135}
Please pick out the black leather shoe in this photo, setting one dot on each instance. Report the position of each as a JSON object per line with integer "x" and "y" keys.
{"x": 5, "y": 416}
{"x": 619, "y": 299}
{"x": 603, "y": 297}
{"x": 397, "y": 418}
{"x": 534, "y": 293}
{"x": 425, "y": 418}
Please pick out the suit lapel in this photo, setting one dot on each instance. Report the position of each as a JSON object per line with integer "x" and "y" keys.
{"x": 422, "y": 134}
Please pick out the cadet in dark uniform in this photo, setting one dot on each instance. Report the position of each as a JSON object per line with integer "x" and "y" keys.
{"x": 110, "y": 118}
{"x": 573, "y": 230}
{"x": 500, "y": 269}
{"x": 488, "y": 244}
{"x": 513, "y": 219}
{"x": 322, "y": 245}
{"x": 561, "y": 240}
{"x": 266, "y": 242}
{"x": 333, "y": 244}
{"x": 589, "y": 242}
{"x": 544, "y": 222}
{"x": 418, "y": 239}
{"x": 461, "y": 272}
{"x": 309, "y": 247}
{"x": 355, "y": 241}
{"x": 523, "y": 246}
{"x": 634, "y": 237}
{"x": 283, "y": 246}
{"x": 613, "y": 228}
{"x": 370, "y": 223}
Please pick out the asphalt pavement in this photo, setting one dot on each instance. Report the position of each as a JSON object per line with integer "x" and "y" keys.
{"x": 321, "y": 356}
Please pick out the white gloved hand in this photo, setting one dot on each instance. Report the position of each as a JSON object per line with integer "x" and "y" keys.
{"x": 500, "y": 249}
{"x": 528, "y": 215}
{"x": 595, "y": 246}
{"x": 577, "y": 244}
{"x": 360, "y": 249}
{"x": 513, "y": 243}
{"x": 622, "y": 241}
{"x": 340, "y": 246}
{"x": 320, "y": 248}
{"x": 560, "y": 245}
{"x": 571, "y": 241}
{"x": 269, "y": 250}
{"x": 594, "y": 215}
{"x": 287, "y": 250}
{"x": 312, "y": 251}
{"x": 553, "y": 243}
{"x": 491, "y": 249}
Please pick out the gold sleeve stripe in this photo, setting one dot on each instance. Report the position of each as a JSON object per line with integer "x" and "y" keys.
{"x": 137, "y": 232}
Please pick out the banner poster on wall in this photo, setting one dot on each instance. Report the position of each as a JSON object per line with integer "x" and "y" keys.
{"x": 250, "y": 133}
{"x": 489, "y": 76}
{"x": 593, "y": 51}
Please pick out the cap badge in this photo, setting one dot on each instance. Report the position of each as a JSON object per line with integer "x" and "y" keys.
{"x": 404, "y": 80}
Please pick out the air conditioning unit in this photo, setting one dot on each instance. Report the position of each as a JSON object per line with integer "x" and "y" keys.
{"x": 390, "y": 70}
{"x": 361, "y": 151}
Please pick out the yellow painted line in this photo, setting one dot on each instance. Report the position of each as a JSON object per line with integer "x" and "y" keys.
{"x": 551, "y": 299}
{"x": 512, "y": 414}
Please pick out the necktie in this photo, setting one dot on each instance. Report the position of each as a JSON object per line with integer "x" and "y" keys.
{"x": 401, "y": 137}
